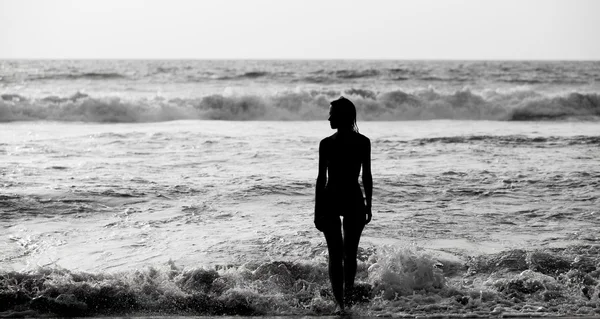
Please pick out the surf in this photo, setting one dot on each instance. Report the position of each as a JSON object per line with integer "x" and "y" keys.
{"x": 406, "y": 281}
{"x": 309, "y": 105}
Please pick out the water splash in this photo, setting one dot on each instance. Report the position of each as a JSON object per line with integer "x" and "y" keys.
{"x": 405, "y": 281}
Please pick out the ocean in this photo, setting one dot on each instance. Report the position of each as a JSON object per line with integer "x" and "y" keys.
{"x": 187, "y": 187}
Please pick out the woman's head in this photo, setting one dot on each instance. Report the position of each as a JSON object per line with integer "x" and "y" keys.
{"x": 342, "y": 114}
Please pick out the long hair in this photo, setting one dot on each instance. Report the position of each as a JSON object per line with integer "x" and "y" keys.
{"x": 346, "y": 111}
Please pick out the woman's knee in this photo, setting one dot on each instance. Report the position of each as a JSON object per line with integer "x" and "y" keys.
{"x": 336, "y": 259}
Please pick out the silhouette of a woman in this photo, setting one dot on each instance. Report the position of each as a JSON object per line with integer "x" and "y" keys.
{"x": 338, "y": 194}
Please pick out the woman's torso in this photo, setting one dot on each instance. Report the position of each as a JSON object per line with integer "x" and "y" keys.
{"x": 344, "y": 161}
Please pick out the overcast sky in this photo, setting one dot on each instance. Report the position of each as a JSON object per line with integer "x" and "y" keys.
{"x": 301, "y": 29}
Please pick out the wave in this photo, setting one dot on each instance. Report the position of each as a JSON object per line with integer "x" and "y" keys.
{"x": 356, "y": 74}
{"x": 339, "y": 76}
{"x": 322, "y": 76}
{"x": 512, "y": 139}
{"x": 98, "y": 75}
{"x": 573, "y": 105}
{"x": 255, "y": 74}
{"x": 247, "y": 75}
{"x": 306, "y": 105}
{"x": 488, "y": 73}
{"x": 76, "y": 76}
{"x": 403, "y": 281}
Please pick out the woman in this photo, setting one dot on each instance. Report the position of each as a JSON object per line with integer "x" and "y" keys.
{"x": 341, "y": 157}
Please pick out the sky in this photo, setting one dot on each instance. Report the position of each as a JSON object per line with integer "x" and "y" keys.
{"x": 300, "y": 29}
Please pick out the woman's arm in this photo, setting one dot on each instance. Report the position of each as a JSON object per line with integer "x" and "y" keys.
{"x": 321, "y": 182}
{"x": 367, "y": 178}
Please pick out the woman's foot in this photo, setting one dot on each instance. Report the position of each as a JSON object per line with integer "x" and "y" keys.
{"x": 341, "y": 312}
{"x": 356, "y": 293}
{"x": 349, "y": 297}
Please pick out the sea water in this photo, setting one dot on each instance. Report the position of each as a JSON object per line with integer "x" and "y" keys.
{"x": 186, "y": 187}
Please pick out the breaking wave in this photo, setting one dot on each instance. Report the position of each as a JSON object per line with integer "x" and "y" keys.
{"x": 406, "y": 282}
{"x": 306, "y": 105}
{"x": 76, "y": 76}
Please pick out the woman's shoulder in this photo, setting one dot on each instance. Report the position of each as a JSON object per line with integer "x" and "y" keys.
{"x": 363, "y": 138}
{"x": 327, "y": 140}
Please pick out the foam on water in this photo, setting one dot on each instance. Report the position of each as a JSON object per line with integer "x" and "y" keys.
{"x": 305, "y": 105}
{"x": 391, "y": 281}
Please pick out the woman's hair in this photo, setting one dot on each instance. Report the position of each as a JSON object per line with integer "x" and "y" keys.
{"x": 346, "y": 111}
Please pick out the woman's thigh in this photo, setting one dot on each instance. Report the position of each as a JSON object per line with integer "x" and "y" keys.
{"x": 353, "y": 227}
{"x": 333, "y": 236}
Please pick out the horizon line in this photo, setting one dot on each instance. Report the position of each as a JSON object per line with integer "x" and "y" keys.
{"x": 310, "y": 59}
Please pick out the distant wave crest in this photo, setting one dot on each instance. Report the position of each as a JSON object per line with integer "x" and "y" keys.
{"x": 306, "y": 105}
{"x": 510, "y": 139}
{"x": 75, "y": 76}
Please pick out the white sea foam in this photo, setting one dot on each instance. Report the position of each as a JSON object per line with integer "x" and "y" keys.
{"x": 305, "y": 105}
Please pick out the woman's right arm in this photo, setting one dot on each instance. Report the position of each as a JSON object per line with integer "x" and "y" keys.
{"x": 321, "y": 182}
{"x": 367, "y": 178}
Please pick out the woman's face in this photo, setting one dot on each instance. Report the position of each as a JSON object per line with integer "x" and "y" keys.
{"x": 333, "y": 120}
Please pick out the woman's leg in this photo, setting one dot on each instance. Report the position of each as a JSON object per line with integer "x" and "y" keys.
{"x": 335, "y": 246}
{"x": 353, "y": 227}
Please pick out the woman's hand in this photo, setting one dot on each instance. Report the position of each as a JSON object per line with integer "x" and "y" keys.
{"x": 368, "y": 213}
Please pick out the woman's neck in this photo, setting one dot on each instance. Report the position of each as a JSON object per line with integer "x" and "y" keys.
{"x": 345, "y": 131}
